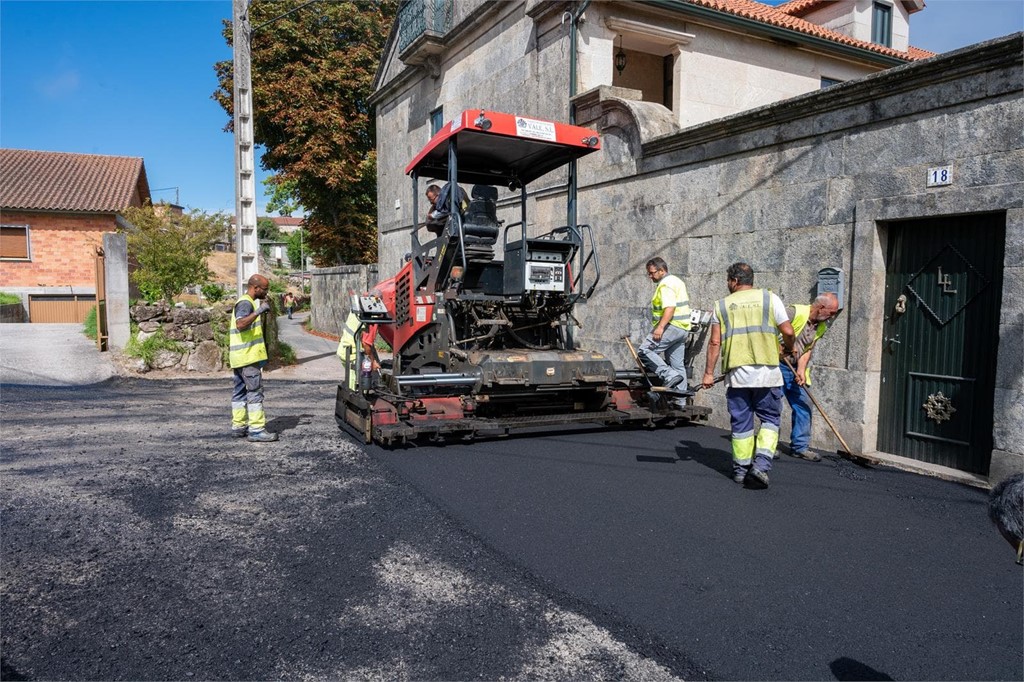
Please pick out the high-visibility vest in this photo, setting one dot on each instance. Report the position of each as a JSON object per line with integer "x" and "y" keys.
{"x": 681, "y": 315}
{"x": 801, "y": 314}
{"x": 245, "y": 346}
{"x": 347, "y": 349}
{"x": 749, "y": 332}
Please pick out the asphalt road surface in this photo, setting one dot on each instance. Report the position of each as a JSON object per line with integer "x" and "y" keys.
{"x": 140, "y": 541}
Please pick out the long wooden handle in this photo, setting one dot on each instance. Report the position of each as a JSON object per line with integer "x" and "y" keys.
{"x": 818, "y": 405}
{"x": 643, "y": 370}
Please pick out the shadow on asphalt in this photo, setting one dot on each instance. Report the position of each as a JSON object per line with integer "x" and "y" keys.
{"x": 281, "y": 424}
{"x": 716, "y": 460}
{"x": 849, "y": 669}
{"x": 311, "y": 358}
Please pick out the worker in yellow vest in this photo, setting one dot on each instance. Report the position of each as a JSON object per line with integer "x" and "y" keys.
{"x": 247, "y": 354}
{"x": 348, "y": 350}
{"x": 670, "y": 315}
{"x": 744, "y": 334}
{"x": 810, "y": 322}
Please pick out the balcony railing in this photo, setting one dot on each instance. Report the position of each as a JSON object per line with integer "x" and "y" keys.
{"x": 426, "y": 18}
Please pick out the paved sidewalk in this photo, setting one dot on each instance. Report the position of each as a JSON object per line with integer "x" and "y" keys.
{"x": 317, "y": 359}
{"x": 51, "y": 355}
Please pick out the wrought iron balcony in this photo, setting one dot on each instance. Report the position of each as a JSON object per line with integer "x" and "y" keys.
{"x": 422, "y": 25}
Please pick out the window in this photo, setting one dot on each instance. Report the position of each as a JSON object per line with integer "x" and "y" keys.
{"x": 827, "y": 82}
{"x": 14, "y": 242}
{"x": 881, "y": 24}
{"x": 436, "y": 120}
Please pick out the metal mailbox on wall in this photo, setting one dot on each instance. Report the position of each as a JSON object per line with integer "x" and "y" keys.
{"x": 832, "y": 280}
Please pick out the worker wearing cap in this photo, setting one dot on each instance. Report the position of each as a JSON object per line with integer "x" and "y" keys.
{"x": 670, "y": 315}
{"x": 247, "y": 354}
{"x": 744, "y": 334}
{"x": 810, "y": 322}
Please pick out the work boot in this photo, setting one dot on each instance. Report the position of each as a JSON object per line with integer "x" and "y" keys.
{"x": 673, "y": 381}
{"x": 739, "y": 478}
{"x": 240, "y": 433}
{"x": 808, "y": 455}
{"x": 262, "y": 437}
{"x": 757, "y": 479}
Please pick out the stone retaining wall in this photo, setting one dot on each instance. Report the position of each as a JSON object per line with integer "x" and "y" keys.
{"x": 330, "y": 294}
{"x": 192, "y": 328}
{"x": 12, "y": 312}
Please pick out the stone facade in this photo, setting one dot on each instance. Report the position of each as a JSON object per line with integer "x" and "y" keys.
{"x": 805, "y": 183}
{"x": 808, "y": 183}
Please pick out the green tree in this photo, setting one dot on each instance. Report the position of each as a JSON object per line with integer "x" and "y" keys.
{"x": 312, "y": 74}
{"x": 267, "y": 229}
{"x": 170, "y": 249}
{"x": 282, "y": 195}
{"x": 298, "y": 246}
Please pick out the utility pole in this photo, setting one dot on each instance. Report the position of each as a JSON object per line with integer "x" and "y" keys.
{"x": 246, "y": 240}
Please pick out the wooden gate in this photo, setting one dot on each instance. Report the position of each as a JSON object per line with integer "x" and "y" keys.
{"x": 101, "y": 300}
{"x": 941, "y": 330}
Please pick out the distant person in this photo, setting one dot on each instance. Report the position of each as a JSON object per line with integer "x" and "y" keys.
{"x": 247, "y": 354}
{"x": 289, "y": 304}
{"x": 670, "y": 315}
{"x": 743, "y": 333}
{"x": 810, "y": 322}
{"x": 1006, "y": 509}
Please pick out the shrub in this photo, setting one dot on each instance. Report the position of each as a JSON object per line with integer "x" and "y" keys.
{"x": 286, "y": 354}
{"x": 278, "y": 286}
{"x": 212, "y": 292}
{"x": 8, "y": 299}
{"x": 147, "y": 349}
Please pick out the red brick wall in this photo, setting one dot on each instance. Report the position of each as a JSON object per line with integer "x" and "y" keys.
{"x": 63, "y": 246}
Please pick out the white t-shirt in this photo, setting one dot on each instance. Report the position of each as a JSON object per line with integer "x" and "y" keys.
{"x": 758, "y": 376}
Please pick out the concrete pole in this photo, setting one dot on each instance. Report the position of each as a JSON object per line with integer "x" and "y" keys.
{"x": 246, "y": 240}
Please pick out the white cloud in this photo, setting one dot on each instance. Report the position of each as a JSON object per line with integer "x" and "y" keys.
{"x": 60, "y": 85}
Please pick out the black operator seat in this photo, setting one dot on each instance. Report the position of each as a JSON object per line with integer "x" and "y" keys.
{"x": 481, "y": 219}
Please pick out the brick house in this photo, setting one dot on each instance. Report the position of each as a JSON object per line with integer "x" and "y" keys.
{"x": 54, "y": 209}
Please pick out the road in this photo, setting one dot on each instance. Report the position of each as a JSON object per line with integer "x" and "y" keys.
{"x": 140, "y": 541}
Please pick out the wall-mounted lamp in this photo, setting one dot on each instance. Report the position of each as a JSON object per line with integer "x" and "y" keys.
{"x": 620, "y": 58}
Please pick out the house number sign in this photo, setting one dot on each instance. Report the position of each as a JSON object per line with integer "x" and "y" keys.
{"x": 940, "y": 176}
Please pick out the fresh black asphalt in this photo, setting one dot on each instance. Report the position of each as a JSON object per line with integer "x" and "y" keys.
{"x": 834, "y": 572}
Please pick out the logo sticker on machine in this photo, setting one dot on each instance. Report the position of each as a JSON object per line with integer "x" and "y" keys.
{"x": 538, "y": 130}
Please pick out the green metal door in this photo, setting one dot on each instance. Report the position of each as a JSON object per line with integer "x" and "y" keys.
{"x": 941, "y": 331}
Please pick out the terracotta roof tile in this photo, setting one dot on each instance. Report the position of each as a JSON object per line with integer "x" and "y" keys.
{"x": 60, "y": 181}
{"x": 774, "y": 16}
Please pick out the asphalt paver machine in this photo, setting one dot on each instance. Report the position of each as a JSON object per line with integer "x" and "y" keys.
{"x": 479, "y": 319}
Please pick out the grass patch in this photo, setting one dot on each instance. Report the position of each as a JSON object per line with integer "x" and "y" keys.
{"x": 8, "y": 299}
{"x": 148, "y": 349}
{"x": 286, "y": 354}
{"x": 89, "y": 326}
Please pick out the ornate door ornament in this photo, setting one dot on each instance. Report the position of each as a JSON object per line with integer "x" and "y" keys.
{"x": 939, "y": 408}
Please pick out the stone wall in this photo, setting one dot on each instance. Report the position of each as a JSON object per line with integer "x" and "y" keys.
{"x": 331, "y": 293}
{"x": 808, "y": 183}
{"x": 12, "y": 312}
{"x": 191, "y": 328}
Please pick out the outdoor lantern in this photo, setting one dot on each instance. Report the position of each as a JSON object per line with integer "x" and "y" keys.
{"x": 620, "y": 58}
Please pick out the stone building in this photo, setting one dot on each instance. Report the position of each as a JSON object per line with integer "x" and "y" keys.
{"x": 907, "y": 177}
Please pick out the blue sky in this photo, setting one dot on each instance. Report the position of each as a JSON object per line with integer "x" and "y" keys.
{"x": 135, "y": 79}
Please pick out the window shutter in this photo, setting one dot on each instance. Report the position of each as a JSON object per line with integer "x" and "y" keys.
{"x": 13, "y": 242}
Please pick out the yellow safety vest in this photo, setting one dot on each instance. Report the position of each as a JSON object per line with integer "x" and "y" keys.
{"x": 749, "y": 332}
{"x": 802, "y": 313}
{"x": 246, "y": 346}
{"x": 347, "y": 348}
{"x": 681, "y": 315}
